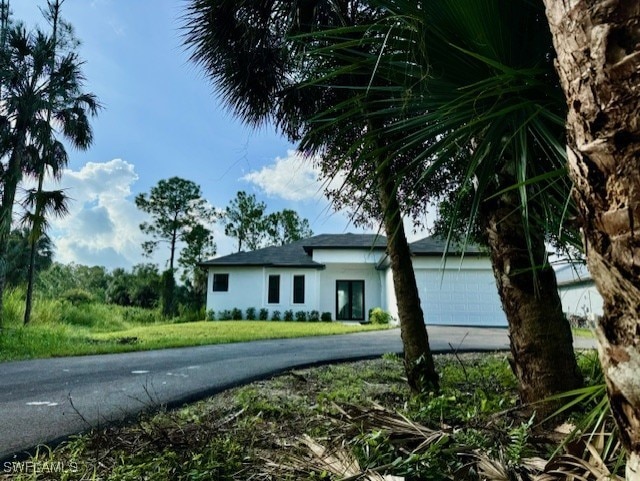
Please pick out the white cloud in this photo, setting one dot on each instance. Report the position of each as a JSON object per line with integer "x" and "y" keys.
{"x": 293, "y": 178}
{"x": 103, "y": 222}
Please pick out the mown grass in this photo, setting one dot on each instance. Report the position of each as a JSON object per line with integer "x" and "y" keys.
{"x": 583, "y": 332}
{"x": 59, "y": 328}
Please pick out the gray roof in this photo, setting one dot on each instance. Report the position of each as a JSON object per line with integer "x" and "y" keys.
{"x": 345, "y": 241}
{"x": 435, "y": 246}
{"x": 298, "y": 254}
{"x": 573, "y": 273}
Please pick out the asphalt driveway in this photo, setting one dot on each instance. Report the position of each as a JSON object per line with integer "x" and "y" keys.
{"x": 43, "y": 401}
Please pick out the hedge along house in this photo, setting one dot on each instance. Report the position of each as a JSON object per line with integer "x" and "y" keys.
{"x": 349, "y": 274}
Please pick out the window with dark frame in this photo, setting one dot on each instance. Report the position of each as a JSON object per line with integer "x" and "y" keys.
{"x": 220, "y": 282}
{"x": 298, "y": 289}
{"x": 350, "y": 300}
{"x": 274, "y": 289}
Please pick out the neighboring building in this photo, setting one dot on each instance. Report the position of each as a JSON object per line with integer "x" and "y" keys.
{"x": 578, "y": 291}
{"x": 348, "y": 274}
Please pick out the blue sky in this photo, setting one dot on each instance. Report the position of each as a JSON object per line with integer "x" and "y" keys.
{"x": 161, "y": 119}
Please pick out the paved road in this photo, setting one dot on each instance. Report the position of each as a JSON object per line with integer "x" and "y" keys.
{"x": 42, "y": 401}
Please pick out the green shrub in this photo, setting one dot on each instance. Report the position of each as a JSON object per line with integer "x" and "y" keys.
{"x": 251, "y": 313}
{"x": 77, "y": 296}
{"x": 326, "y": 317}
{"x": 139, "y": 315}
{"x": 275, "y": 316}
{"x": 236, "y": 314}
{"x": 314, "y": 316}
{"x": 188, "y": 314}
{"x": 224, "y": 315}
{"x": 301, "y": 316}
{"x": 13, "y": 306}
{"x": 264, "y": 314}
{"x": 211, "y": 315}
{"x": 379, "y": 316}
{"x": 288, "y": 315}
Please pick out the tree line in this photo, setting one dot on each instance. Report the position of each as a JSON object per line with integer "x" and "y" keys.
{"x": 459, "y": 102}
{"x": 181, "y": 216}
{"x": 43, "y": 105}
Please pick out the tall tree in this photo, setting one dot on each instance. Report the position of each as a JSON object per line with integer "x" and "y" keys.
{"x": 199, "y": 245}
{"x": 244, "y": 220}
{"x": 52, "y": 156}
{"x": 248, "y": 48}
{"x": 175, "y": 205}
{"x": 34, "y": 90}
{"x": 285, "y": 227}
{"x": 598, "y": 59}
{"x": 448, "y": 83}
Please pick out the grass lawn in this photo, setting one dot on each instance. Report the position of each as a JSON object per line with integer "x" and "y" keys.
{"x": 583, "y": 332}
{"x": 59, "y": 339}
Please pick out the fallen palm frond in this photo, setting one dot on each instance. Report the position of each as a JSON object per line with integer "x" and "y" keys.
{"x": 337, "y": 461}
{"x": 400, "y": 429}
{"x": 590, "y": 458}
{"x": 587, "y": 459}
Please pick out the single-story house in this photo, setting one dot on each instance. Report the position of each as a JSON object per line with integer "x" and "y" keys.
{"x": 349, "y": 274}
{"x": 578, "y": 291}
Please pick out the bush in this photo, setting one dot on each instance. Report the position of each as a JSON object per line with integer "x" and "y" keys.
{"x": 211, "y": 315}
{"x": 275, "y": 316}
{"x": 301, "y": 316}
{"x": 379, "y": 316}
{"x": 189, "y": 314}
{"x": 138, "y": 315}
{"x": 168, "y": 294}
{"x": 264, "y": 314}
{"x": 224, "y": 315}
{"x": 288, "y": 315}
{"x": 314, "y": 316}
{"x": 325, "y": 317}
{"x": 251, "y": 314}
{"x": 77, "y": 296}
{"x": 236, "y": 314}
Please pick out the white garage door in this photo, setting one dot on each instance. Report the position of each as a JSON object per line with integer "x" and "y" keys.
{"x": 460, "y": 297}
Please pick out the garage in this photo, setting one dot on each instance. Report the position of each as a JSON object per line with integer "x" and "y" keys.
{"x": 463, "y": 297}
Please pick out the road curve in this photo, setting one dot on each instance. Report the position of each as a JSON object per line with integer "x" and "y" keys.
{"x": 43, "y": 401}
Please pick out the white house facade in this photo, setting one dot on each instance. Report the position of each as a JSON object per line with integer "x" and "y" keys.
{"x": 346, "y": 275}
{"x": 578, "y": 291}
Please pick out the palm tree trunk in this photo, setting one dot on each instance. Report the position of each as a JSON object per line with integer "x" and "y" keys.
{"x": 12, "y": 177}
{"x": 540, "y": 336}
{"x": 36, "y": 232}
{"x": 598, "y": 47}
{"x": 418, "y": 359}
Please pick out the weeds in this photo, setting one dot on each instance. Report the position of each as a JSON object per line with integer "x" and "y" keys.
{"x": 346, "y": 422}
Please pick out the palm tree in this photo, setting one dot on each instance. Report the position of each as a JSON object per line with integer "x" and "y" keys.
{"x": 247, "y": 48}
{"x": 52, "y": 155}
{"x": 598, "y": 62}
{"x": 486, "y": 88}
{"x": 41, "y": 96}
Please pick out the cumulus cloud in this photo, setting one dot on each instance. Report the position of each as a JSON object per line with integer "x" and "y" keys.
{"x": 102, "y": 225}
{"x": 293, "y": 178}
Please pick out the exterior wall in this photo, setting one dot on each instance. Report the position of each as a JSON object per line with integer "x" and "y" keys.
{"x": 348, "y": 256}
{"x": 456, "y": 293}
{"x": 248, "y": 288}
{"x": 459, "y": 293}
{"x": 581, "y": 299}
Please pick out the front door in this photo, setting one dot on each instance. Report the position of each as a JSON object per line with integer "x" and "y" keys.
{"x": 350, "y": 300}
